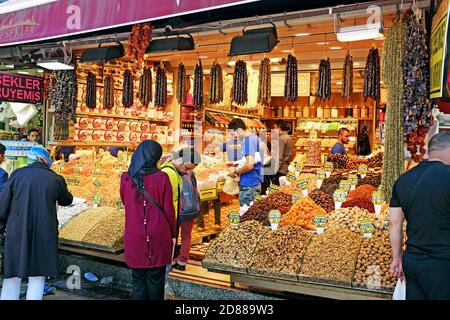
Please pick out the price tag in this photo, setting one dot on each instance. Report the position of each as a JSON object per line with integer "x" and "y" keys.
{"x": 363, "y": 169}
{"x": 97, "y": 199}
{"x": 367, "y": 227}
{"x": 302, "y": 184}
{"x": 220, "y": 185}
{"x": 353, "y": 178}
{"x": 76, "y": 170}
{"x": 339, "y": 195}
{"x": 258, "y": 197}
{"x": 377, "y": 198}
{"x": 273, "y": 188}
{"x": 208, "y": 194}
{"x": 234, "y": 218}
{"x": 313, "y": 134}
{"x": 299, "y": 167}
{"x": 274, "y": 219}
{"x": 321, "y": 175}
{"x": 120, "y": 204}
{"x": 102, "y": 173}
{"x": 320, "y": 221}
{"x": 68, "y": 181}
{"x": 345, "y": 185}
{"x": 75, "y": 182}
{"x": 97, "y": 184}
{"x": 98, "y": 165}
{"x": 328, "y": 166}
{"x": 80, "y": 163}
{"x": 291, "y": 177}
{"x": 117, "y": 165}
{"x": 296, "y": 196}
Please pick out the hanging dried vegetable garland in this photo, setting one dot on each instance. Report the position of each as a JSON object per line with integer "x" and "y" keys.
{"x": 127, "y": 94}
{"x": 181, "y": 84}
{"x": 264, "y": 83}
{"x": 372, "y": 75}
{"x": 161, "y": 87}
{"x": 216, "y": 87}
{"x": 145, "y": 87}
{"x": 138, "y": 41}
{"x": 392, "y": 73}
{"x": 240, "y": 80}
{"x": 91, "y": 91}
{"x": 417, "y": 109}
{"x": 291, "y": 79}
{"x": 324, "y": 80}
{"x": 198, "y": 85}
{"x": 108, "y": 95}
{"x": 347, "y": 77}
{"x": 63, "y": 97}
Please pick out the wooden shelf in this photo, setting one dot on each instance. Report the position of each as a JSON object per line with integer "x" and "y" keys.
{"x": 89, "y": 114}
{"x": 96, "y": 144}
{"x": 334, "y": 119}
{"x": 275, "y": 119}
{"x": 233, "y": 113}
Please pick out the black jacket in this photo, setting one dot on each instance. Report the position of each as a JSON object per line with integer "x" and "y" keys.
{"x": 28, "y": 212}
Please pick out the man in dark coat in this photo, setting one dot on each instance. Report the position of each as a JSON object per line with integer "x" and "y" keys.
{"x": 28, "y": 214}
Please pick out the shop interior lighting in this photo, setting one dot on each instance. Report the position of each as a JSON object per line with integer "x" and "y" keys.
{"x": 303, "y": 34}
{"x": 55, "y": 64}
{"x": 171, "y": 44}
{"x": 103, "y": 54}
{"x": 254, "y": 41}
{"x": 23, "y": 72}
{"x": 367, "y": 31}
{"x": 335, "y": 48}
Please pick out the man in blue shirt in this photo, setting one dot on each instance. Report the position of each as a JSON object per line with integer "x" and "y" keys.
{"x": 343, "y": 139}
{"x": 250, "y": 170}
{"x": 3, "y": 174}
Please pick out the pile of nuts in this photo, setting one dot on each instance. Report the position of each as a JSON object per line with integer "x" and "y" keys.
{"x": 332, "y": 255}
{"x": 376, "y": 161}
{"x": 313, "y": 152}
{"x": 350, "y": 218}
{"x": 339, "y": 160}
{"x": 374, "y": 261}
{"x": 107, "y": 233}
{"x": 233, "y": 248}
{"x": 312, "y": 181}
{"x": 325, "y": 201}
{"x": 280, "y": 252}
{"x": 301, "y": 214}
{"x": 260, "y": 210}
{"x": 330, "y": 184}
{"x": 289, "y": 189}
{"x": 373, "y": 179}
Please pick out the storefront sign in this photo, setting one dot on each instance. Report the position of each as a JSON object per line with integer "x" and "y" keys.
{"x": 71, "y": 17}
{"x": 18, "y": 88}
{"x": 438, "y": 45}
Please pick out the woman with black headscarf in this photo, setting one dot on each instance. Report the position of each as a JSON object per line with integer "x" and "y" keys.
{"x": 150, "y": 223}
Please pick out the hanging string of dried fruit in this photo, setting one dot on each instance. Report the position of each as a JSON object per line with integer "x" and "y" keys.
{"x": 372, "y": 75}
{"x": 216, "y": 87}
{"x": 138, "y": 41}
{"x": 240, "y": 80}
{"x": 264, "y": 83}
{"x": 291, "y": 79}
{"x": 347, "y": 77}
{"x": 198, "y": 85}
{"x": 145, "y": 87}
{"x": 46, "y": 84}
{"x": 63, "y": 97}
{"x": 127, "y": 94}
{"x": 91, "y": 91}
{"x": 161, "y": 87}
{"x": 417, "y": 108}
{"x": 108, "y": 95}
{"x": 392, "y": 73}
{"x": 324, "y": 80}
{"x": 181, "y": 84}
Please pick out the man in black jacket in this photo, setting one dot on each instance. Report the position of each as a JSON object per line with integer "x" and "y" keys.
{"x": 422, "y": 196}
{"x": 28, "y": 215}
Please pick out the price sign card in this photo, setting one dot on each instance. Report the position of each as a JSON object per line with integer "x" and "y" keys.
{"x": 339, "y": 197}
{"x": 367, "y": 227}
{"x": 345, "y": 185}
{"x": 363, "y": 169}
{"x": 296, "y": 196}
{"x": 273, "y": 188}
{"x": 258, "y": 197}
{"x": 97, "y": 200}
{"x": 377, "y": 200}
{"x": 313, "y": 135}
{"x": 320, "y": 221}
{"x": 299, "y": 167}
{"x": 353, "y": 178}
{"x": 274, "y": 219}
{"x": 120, "y": 205}
{"x": 234, "y": 218}
{"x": 291, "y": 177}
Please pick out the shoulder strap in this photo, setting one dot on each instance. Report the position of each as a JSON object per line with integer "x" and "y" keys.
{"x": 178, "y": 189}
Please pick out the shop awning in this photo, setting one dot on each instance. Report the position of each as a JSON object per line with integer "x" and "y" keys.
{"x": 55, "y": 19}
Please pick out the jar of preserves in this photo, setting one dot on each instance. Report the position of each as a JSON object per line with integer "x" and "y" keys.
{"x": 279, "y": 112}
{"x": 327, "y": 113}
{"x": 364, "y": 112}
{"x": 273, "y": 111}
{"x": 341, "y": 112}
{"x": 286, "y": 112}
{"x": 292, "y": 112}
{"x": 356, "y": 112}
{"x": 334, "y": 112}
{"x": 305, "y": 112}
{"x": 320, "y": 112}
{"x": 349, "y": 112}
{"x": 299, "y": 112}
{"x": 313, "y": 111}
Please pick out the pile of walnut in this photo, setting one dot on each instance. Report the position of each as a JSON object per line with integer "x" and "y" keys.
{"x": 351, "y": 218}
{"x": 233, "y": 248}
{"x": 280, "y": 252}
{"x": 374, "y": 262}
{"x": 332, "y": 255}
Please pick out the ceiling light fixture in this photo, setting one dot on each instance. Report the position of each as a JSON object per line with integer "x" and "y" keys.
{"x": 103, "y": 53}
{"x": 287, "y": 51}
{"x": 322, "y": 43}
{"x": 203, "y": 57}
{"x": 55, "y": 64}
{"x": 303, "y": 34}
{"x": 366, "y": 31}
{"x": 335, "y": 48}
{"x": 171, "y": 44}
{"x": 254, "y": 41}
{"x": 23, "y": 72}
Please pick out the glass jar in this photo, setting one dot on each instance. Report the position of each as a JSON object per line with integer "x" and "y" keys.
{"x": 279, "y": 112}
{"x": 305, "y": 112}
{"x": 371, "y": 112}
{"x": 356, "y": 112}
{"x": 320, "y": 112}
{"x": 273, "y": 111}
{"x": 327, "y": 113}
{"x": 299, "y": 112}
{"x": 312, "y": 111}
{"x": 286, "y": 112}
{"x": 341, "y": 112}
{"x": 292, "y": 112}
{"x": 364, "y": 112}
{"x": 349, "y": 112}
{"x": 334, "y": 112}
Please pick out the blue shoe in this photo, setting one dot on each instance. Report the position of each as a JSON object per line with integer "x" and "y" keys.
{"x": 48, "y": 290}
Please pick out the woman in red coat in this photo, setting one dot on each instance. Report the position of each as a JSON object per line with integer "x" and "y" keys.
{"x": 150, "y": 223}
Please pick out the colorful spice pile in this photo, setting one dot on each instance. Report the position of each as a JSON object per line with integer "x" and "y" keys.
{"x": 260, "y": 210}
{"x": 360, "y": 202}
{"x": 364, "y": 191}
{"x": 301, "y": 214}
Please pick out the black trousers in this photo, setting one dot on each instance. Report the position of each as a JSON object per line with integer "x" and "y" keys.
{"x": 204, "y": 209}
{"x": 426, "y": 278}
{"x": 148, "y": 284}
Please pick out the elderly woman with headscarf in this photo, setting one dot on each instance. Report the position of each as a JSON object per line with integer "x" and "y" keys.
{"x": 150, "y": 224}
{"x": 28, "y": 214}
